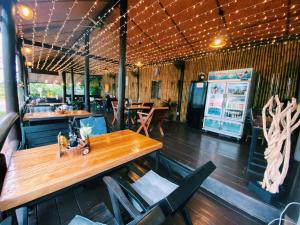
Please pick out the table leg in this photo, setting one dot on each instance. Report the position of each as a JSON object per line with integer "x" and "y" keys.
{"x": 129, "y": 118}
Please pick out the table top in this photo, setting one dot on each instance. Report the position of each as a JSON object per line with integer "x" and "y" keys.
{"x": 44, "y": 115}
{"x": 137, "y": 107}
{"x": 37, "y": 172}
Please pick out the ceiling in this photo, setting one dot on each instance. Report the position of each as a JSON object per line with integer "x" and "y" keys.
{"x": 157, "y": 30}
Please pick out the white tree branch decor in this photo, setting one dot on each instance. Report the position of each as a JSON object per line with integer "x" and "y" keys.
{"x": 278, "y": 137}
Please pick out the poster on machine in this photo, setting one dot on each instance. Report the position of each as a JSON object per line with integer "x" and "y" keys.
{"x": 227, "y": 99}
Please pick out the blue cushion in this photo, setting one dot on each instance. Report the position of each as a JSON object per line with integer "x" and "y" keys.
{"x": 79, "y": 220}
{"x": 98, "y": 125}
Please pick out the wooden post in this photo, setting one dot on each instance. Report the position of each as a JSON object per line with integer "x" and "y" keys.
{"x": 21, "y": 74}
{"x": 73, "y": 84}
{"x": 87, "y": 106}
{"x": 26, "y": 89}
{"x": 138, "y": 84}
{"x": 180, "y": 88}
{"x": 9, "y": 62}
{"x": 63, "y": 75}
{"x": 122, "y": 63}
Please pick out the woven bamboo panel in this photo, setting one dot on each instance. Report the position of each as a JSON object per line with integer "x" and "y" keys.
{"x": 276, "y": 66}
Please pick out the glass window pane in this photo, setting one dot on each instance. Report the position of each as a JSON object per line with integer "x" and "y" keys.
{"x": 2, "y": 95}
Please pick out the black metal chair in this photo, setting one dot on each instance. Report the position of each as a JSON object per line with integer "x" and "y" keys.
{"x": 99, "y": 215}
{"x": 188, "y": 182}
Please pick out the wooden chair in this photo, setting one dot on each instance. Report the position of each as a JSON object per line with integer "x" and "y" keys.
{"x": 187, "y": 182}
{"x": 114, "y": 105}
{"x": 101, "y": 215}
{"x": 154, "y": 118}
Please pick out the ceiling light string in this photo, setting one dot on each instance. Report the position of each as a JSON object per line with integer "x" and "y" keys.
{"x": 228, "y": 4}
{"x": 100, "y": 19}
{"x": 174, "y": 35}
{"x": 198, "y": 37}
{"x": 91, "y": 9}
{"x": 75, "y": 2}
{"x": 46, "y": 30}
{"x": 33, "y": 33}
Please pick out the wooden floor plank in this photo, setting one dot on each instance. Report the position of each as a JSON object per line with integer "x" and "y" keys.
{"x": 67, "y": 207}
{"x": 47, "y": 213}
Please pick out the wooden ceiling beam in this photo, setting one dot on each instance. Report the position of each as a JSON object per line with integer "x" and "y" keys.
{"x": 176, "y": 26}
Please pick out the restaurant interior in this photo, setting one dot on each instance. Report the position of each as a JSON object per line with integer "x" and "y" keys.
{"x": 148, "y": 112}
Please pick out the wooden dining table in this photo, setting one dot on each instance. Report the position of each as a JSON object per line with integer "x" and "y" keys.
{"x": 45, "y": 115}
{"x": 39, "y": 172}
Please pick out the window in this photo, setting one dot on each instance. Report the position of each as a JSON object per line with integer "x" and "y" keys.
{"x": 42, "y": 90}
{"x": 155, "y": 89}
{"x": 2, "y": 94}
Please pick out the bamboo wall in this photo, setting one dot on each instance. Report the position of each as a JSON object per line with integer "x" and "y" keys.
{"x": 276, "y": 66}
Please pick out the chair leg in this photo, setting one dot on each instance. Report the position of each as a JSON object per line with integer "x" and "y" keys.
{"x": 161, "y": 130}
{"x": 186, "y": 216}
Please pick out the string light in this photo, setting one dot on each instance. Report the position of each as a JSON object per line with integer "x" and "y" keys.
{"x": 105, "y": 42}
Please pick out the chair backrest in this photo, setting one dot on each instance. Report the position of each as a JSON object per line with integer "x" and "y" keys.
{"x": 98, "y": 124}
{"x": 45, "y": 134}
{"x": 42, "y": 109}
{"x": 159, "y": 114}
{"x": 178, "y": 198}
{"x": 114, "y": 105}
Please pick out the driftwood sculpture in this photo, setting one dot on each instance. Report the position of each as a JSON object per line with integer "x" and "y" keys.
{"x": 278, "y": 137}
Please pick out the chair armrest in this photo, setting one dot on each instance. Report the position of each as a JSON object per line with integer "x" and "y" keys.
{"x": 116, "y": 193}
{"x": 132, "y": 193}
{"x": 178, "y": 198}
{"x": 174, "y": 166}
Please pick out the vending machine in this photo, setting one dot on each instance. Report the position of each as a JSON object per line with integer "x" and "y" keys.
{"x": 228, "y": 97}
{"x": 196, "y": 104}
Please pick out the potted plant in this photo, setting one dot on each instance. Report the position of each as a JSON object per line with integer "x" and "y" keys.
{"x": 172, "y": 108}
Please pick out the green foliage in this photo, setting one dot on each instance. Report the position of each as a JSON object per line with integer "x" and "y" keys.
{"x": 47, "y": 90}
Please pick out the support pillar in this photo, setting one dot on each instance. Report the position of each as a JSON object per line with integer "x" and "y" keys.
{"x": 138, "y": 84}
{"x": 122, "y": 62}
{"x": 180, "y": 89}
{"x": 73, "y": 84}
{"x": 87, "y": 105}
{"x": 63, "y": 75}
{"x": 9, "y": 63}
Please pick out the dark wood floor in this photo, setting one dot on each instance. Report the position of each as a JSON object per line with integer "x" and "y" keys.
{"x": 193, "y": 148}
{"x": 186, "y": 145}
{"x": 60, "y": 210}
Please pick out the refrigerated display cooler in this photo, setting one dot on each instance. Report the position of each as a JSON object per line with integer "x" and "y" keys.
{"x": 228, "y": 97}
